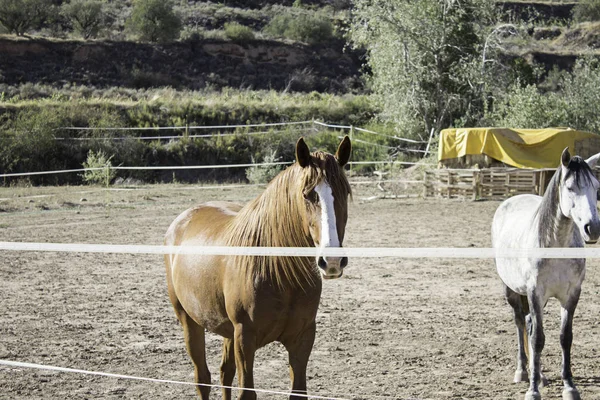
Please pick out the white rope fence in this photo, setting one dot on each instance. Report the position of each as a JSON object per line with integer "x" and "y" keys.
{"x": 17, "y": 364}
{"x": 348, "y": 396}
{"x": 216, "y": 166}
{"x": 278, "y": 251}
{"x": 186, "y": 167}
{"x": 352, "y": 252}
{"x": 214, "y": 127}
{"x": 209, "y": 135}
{"x": 190, "y": 187}
{"x": 157, "y": 128}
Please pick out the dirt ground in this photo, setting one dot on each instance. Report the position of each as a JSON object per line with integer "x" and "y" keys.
{"x": 390, "y": 328}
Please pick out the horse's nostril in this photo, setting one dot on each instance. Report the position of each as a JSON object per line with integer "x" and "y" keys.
{"x": 344, "y": 262}
{"x": 322, "y": 263}
{"x": 586, "y": 228}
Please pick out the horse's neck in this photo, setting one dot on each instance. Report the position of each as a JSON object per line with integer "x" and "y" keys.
{"x": 275, "y": 218}
{"x": 559, "y": 232}
{"x": 555, "y": 230}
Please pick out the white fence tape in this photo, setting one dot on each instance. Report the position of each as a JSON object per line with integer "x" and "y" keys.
{"x": 169, "y": 137}
{"x": 184, "y": 167}
{"x": 209, "y": 187}
{"x": 195, "y": 127}
{"x": 392, "y": 137}
{"x": 17, "y": 364}
{"x": 353, "y": 252}
{"x": 7, "y": 175}
{"x": 332, "y": 125}
{"x": 62, "y": 171}
{"x": 157, "y": 128}
{"x": 388, "y": 147}
{"x": 148, "y": 168}
{"x": 205, "y": 166}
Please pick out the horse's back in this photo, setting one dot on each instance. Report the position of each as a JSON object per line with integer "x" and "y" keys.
{"x": 195, "y": 281}
{"x": 206, "y": 219}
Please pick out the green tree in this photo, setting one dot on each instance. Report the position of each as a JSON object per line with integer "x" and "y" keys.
{"x": 154, "y": 20}
{"x": 424, "y": 56}
{"x": 20, "y": 16}
{"x": 586, "y": 10}
{"x": 86, "y": 16}
{"x": 574, "y": 103}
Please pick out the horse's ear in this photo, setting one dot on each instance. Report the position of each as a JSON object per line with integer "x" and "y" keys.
{"x": 593, "y": 160}
{"x": 565, "y": 157}
{"x": 302, "y": 153}
{"x": 343, "y": 152}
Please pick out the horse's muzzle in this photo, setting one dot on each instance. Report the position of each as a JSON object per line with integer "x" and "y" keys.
{"x": 332, "y": 267}
{"x": 591, "y": 232}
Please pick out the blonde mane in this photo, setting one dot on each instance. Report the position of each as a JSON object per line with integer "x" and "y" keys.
{"x": 279, "y": 218}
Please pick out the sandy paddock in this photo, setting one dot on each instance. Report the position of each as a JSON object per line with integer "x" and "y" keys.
{"x": 390, "y": 328}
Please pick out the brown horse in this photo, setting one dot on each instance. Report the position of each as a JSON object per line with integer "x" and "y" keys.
{"x": 254, "y": 300}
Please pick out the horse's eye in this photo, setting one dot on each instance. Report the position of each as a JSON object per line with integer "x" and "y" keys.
{"x": 311, "y": 196}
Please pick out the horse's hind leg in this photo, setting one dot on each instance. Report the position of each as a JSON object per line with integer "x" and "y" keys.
{"x": 299, "y": 350}
{"x": 193, "y": 335}
{"x": 566, "y": 339}
{"x": 520, "y": 309}
{"x": 227, "y": 367}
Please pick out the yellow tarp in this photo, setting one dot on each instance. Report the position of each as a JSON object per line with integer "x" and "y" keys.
{"x": 521, "y": 148}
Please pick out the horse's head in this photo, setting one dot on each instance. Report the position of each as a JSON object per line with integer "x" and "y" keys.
{"x": 325, "y": 192}
{"x": 578, "y": 194}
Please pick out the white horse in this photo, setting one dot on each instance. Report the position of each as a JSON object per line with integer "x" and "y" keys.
{"x": 565, "y": 216}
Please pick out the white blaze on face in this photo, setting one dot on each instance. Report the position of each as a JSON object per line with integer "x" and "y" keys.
{"x": 329, "y": 235}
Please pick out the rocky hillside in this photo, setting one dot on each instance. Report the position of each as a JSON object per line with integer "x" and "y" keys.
{"x": 536, "y": 10}
{"x": 261, "y": 64}
{"x": 192, "y": 64}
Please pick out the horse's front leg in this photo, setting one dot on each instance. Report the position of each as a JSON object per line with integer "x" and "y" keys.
{"x": 299, "y": 350}
{"x": 244, "y": 347}
{"x": 536, "y": 345}
{"x": 566, "y": 339}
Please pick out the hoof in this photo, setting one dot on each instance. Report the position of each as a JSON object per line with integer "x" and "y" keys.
{"x": 521, "y": 376}
{"x": 533, "y": 396}
{"x": 570, "y": 394}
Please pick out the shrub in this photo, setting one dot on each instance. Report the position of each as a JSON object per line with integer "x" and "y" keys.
{"x": 587, "y": 10}
{"x": 238, "y": 33}
{"x": 98, "y": 160}
{"x": 264, "y": 174}
{"x": 20, "y": 16}
{"x": 86, "y": 16}
{"x": 310, "y": 28}
{"x": 189, "y": 34}
{"x": 154, "y": 21}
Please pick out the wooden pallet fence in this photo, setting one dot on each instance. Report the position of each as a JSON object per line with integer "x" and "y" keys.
{"x": 488, "y": 183}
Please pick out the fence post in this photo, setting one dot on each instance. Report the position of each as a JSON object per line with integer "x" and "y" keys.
{"x": 107, "y": 170}
{"x": 351, "y": 139}
{"x": 428, "y": 143}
